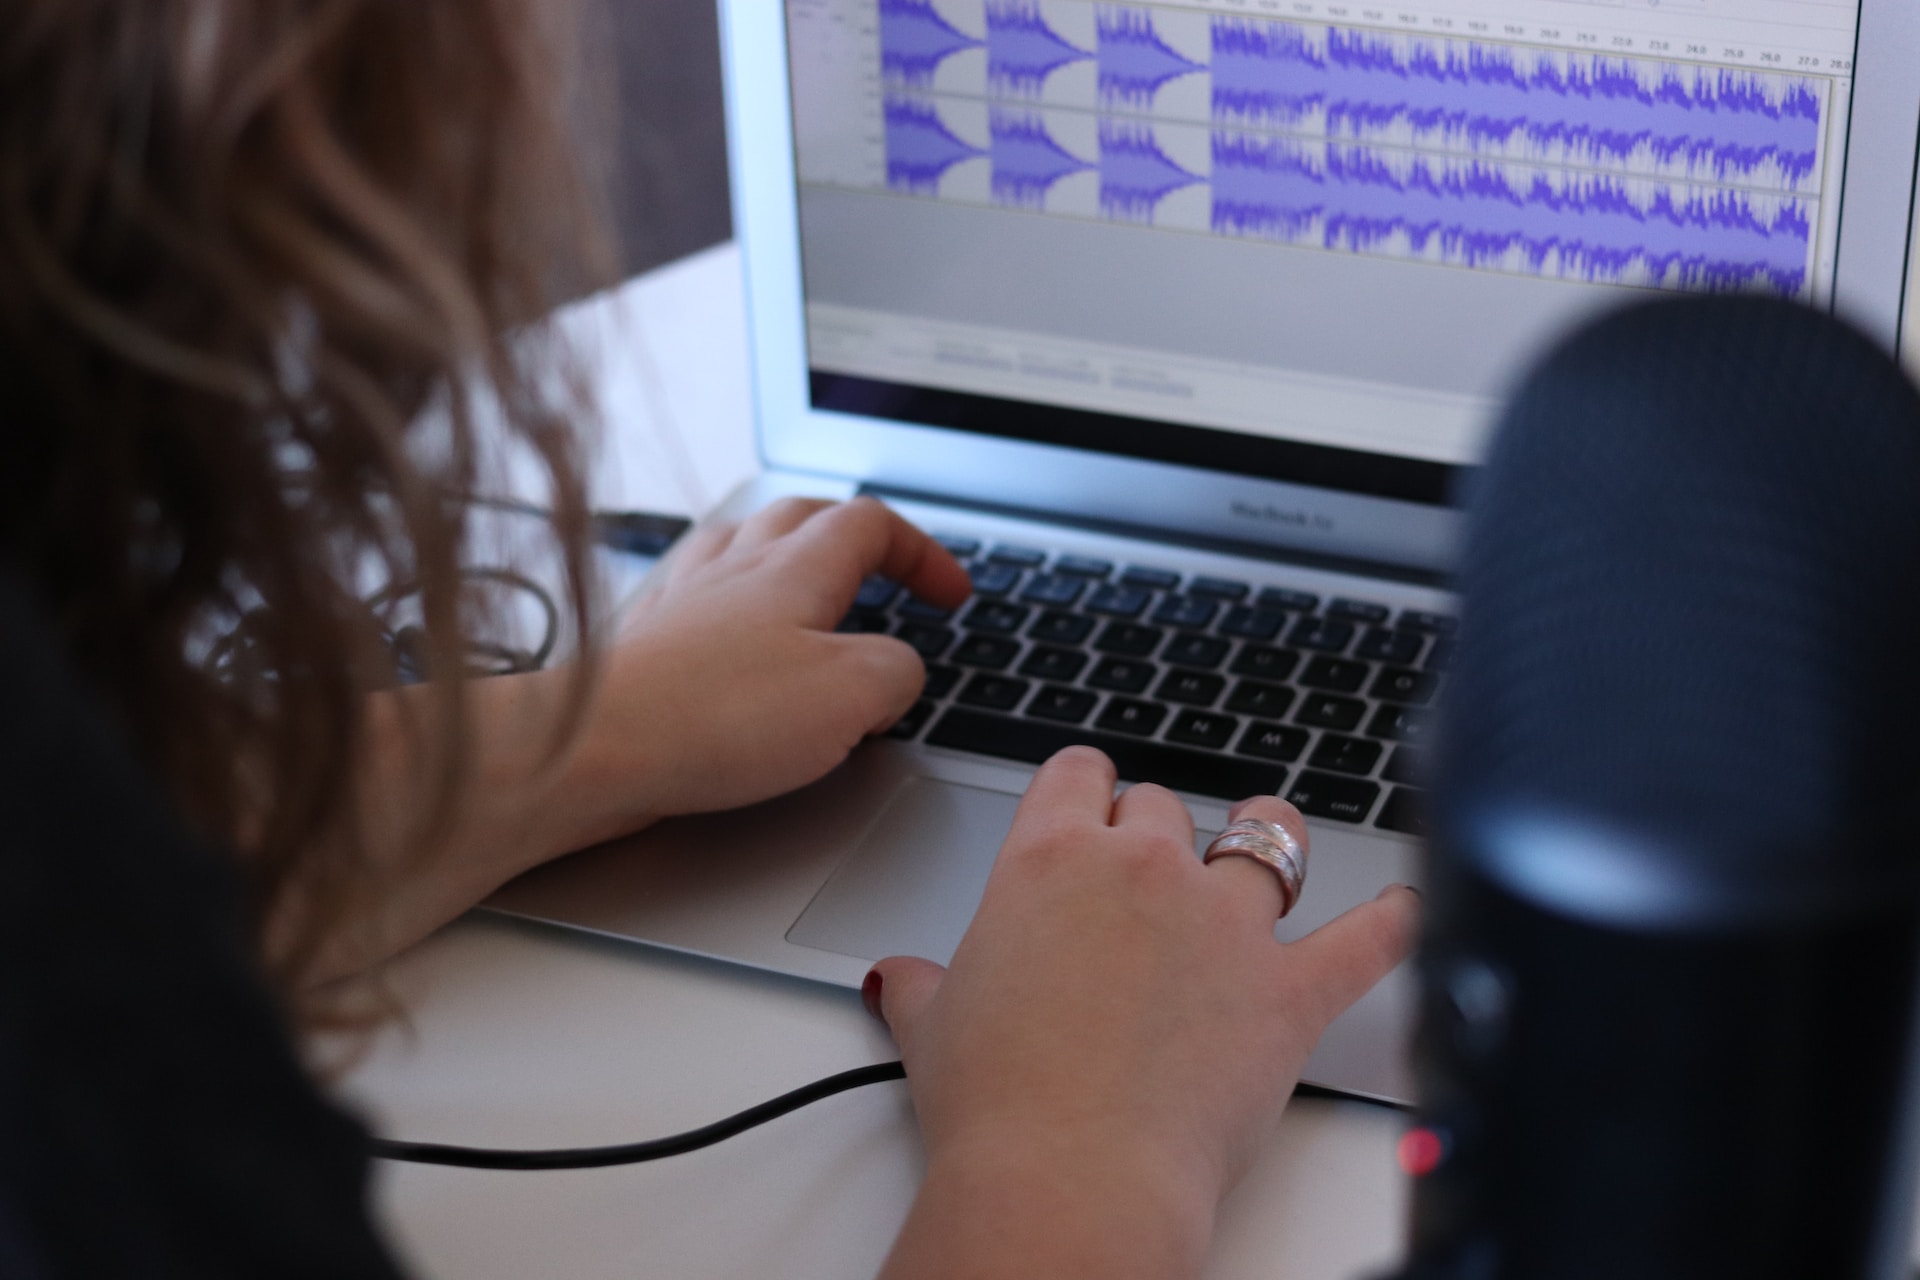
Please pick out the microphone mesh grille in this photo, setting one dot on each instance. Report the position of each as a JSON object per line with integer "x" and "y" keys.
{"x": 1691, "y": 579}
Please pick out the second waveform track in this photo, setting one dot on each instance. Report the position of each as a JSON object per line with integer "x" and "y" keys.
{"x": 1570, "y": 225}
{"x": 1136, "y": 174}
{"x": 1027, "y": 160}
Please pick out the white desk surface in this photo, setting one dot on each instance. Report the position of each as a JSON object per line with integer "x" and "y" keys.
{"x": 530, "y": 1037}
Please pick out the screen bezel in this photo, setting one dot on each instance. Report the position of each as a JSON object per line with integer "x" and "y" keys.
{"x": 1195, "y": 481}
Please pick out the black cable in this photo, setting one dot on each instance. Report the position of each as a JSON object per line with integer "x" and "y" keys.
{"x": 694, "y": 1139}
{"x": 636, "y": 1152}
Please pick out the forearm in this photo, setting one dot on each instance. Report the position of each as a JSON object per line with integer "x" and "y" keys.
{"x": 1023, "y": 1211}
{"x": 525, "y": 795}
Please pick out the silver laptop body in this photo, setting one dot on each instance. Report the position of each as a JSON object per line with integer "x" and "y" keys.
{"x": 1226, "y": 293}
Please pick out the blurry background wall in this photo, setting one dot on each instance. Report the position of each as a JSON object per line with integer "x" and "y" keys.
{"x": 669, "y": 189}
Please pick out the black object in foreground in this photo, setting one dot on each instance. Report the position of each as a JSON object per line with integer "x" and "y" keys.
{"x": 637, "y": 1152}
{"x": 1673, "y": 913}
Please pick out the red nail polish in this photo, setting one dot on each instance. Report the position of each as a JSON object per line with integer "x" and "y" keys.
{"x": 870, "y": 994}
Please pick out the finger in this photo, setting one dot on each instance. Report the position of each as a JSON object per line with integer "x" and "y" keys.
{"x": 1075, "y": 786}
{"x": 907, "y": 985}
{"x": 777, "y": 520}
{"x": 1252, "y": 884}
{"x": 703, "y": 546}
{"x": 849, "y": 542}
{"x": 1340, "y": 961}
{"x": 885, "y": 677}
{"x": 1149, "y": 808}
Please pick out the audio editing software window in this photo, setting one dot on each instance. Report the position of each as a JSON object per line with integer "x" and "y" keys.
{"x": 1333, "y": 222}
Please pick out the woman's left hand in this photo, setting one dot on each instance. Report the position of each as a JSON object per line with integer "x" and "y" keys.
{"x": 729, "y": 684}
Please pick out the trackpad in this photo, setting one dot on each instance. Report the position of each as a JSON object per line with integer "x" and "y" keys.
{"x": 911, "y": 887}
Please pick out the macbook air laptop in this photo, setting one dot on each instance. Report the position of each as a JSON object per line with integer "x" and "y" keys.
{"x": 1180, "y": 323}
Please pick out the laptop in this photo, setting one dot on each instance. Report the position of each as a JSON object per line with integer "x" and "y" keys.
{"x": 1181, "y": 323}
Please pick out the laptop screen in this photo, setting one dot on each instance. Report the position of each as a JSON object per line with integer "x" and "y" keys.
{"x": 1313, "y": 241}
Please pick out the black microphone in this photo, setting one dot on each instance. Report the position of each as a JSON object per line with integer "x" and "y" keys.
{"x": 1673, "y": 912}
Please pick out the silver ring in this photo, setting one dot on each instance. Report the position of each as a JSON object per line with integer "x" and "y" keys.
{"x": 1273, "y": 847}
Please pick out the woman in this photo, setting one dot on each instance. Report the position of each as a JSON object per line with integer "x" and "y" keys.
{"x": 262, "y": 260}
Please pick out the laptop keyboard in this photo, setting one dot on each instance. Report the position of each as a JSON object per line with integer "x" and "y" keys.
{"x": 1214, "y": 686}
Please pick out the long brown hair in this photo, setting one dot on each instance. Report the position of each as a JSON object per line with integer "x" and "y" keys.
{"x": 262, "y": 264}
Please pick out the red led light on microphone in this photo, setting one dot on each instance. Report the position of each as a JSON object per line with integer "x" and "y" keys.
{"x": 1421, "y": 1151}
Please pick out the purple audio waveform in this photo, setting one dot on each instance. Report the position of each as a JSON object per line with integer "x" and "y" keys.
{"x": 1135, "y": 174}
{"x": 920, "y": 147}
{"x": 1582, "y": 108}
{"x": 915, "y": 40}
{"x": 1591, "y": 226}
{"x": 1134, "y": 60}
{"x": 1026, "y": 159}
{"x": 1022, "y": 50}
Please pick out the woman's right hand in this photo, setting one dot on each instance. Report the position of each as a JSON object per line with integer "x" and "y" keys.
{"x": 1117, "y": 1033}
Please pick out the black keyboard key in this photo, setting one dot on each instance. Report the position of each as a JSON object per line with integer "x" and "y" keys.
{"x": 1405, "y": 811}
{"x": 1129, "y": 715}
{"x": 958, "y": 548}
{"x": 1119, "y": 601}
{"x": 1123, "y": 675}
{"x": 994, "y": 579}
{"x": 1336, "y": 675}
{"x": 920, "y": 611}
{"x": 1346, "y": 755}
{"x": 1034, "y": 742}
{"x": 1069, "y": 706}
{"x": 1219, "y": 589}
{"x": 908, "y": 726}
{"x": 1326, "y": 635}
{"x": 1053, "y": 588}
{"x": 1396, "y": 684}
{"x": 1205, "y": 652}
{"x": 996, "y": 617}
{"x": 1328, "y": 795}
{"x": 1245, "y": 623}
{"x": 1151, "y": 579}
{"x": 1438, "y": 623}
{"x": 1358, "y": 611}
{"x": 1325, "y": 711}
{"x": 864, "y": 622}
{"x": 1083, "y": 566}
{"x": 1282, "y": 598}
{"x": 1263, "y": 663}
{"x": 929, "y": 639}
{"x": 1044, "y": 662}
{"x": 996, "y": 693}
{"x": 1023, "y": 557}
{"x": 1192, "y": 688}
{"x": 940, "y": 681}
{"x": 1258, "y": 698}
{"x": 1383, "y": 645}
{"x": 876, "y": 593}
{"x": 1054, "y": 627}
{"x": 1406, "y": 764}
{"x": 1272, "y": 742}
{"x": 990, "y": 652}
{"x": 1402, "y": 724}
{"x": 1202, "y": 729}
{"x": 1440, "y": 657}
{"x": 1186, "y": 611}
{"x": 1129, "y": 639}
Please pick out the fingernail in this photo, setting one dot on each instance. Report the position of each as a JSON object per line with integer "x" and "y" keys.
{"x": 1409, "y": 888}
{"x": 870, "y": 994}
